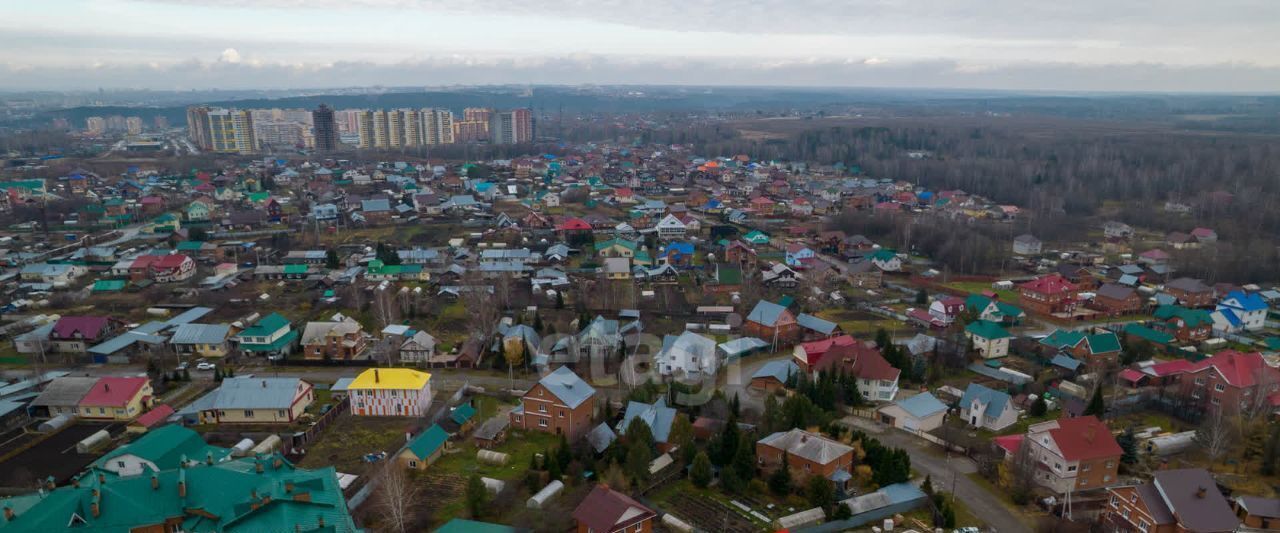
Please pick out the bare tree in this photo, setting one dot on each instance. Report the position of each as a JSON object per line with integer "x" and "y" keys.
{"x": 482, "y": 306}
{"x": 1021, "y": 474}
{"x": 385, "y": 307}
{"x": 397, "y": 498}
{"x": 1215, "y": 435}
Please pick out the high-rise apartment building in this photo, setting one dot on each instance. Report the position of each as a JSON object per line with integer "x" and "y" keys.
{"x": 133, "y": 125}
{"x": 95, "y": 125}
{"x": 198, "y": 127}
{"x": 231, "y": 131}
{"x": 437, "y": 126}
{"x": 482, "y": 114}
{"x": 326, "y": 128}
{"x": 511, "y": 127}
{"x": 162, "y": 123}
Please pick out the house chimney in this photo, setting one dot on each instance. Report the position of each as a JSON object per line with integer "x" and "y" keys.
{"x": 208, "y": 458}
{"x": 264, "y": 383}
{"x": 321, "y": 523}
{"x": 155, "y": 482}
{"x": 253, "y": 493}
{"x": 376, "y": 377}
{"x": 49, "y": 483}
{"x": 93, "y": 508}
{"x": 288, "y": 486}
{"x": 257, "y": 466}
{"x": 106, "y": 387}
{"x": 1200, "y": 493}
{"x": 277, "y": 463}
{"x": 102, "y": 478}
{"x": 9, "y": 516}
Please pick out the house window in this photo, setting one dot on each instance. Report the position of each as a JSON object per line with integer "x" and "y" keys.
{"x": 542, "y": 422}
{"x": 282, "y": 413}
{"x": 248, "y": 413}
{"x": 1199, "y": 381}
{"x": 562, "y": 413}
{"x": 1216, "y": 401}
{"x": 1143, "y": 525}
{"x": 1086, "y": 467}
{"x": 1114, "y": 500}
{"x": 1071, "y": 469}
{"x": 1133, "y": 498}
{"x": 1111, "y": 464}
{"x": 1219, "y": 387}
{"x": 542, "y": 408}
{"x": 1106, "y": 478}
{"x": 413, "y": 464}
{"x": 1125, "y": 513}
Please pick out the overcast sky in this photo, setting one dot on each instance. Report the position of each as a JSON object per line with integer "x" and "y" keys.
{"x": 1120, "y": 45}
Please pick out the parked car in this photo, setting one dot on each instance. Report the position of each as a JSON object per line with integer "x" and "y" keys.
{"x": 205, "y": 365}
{"x": 182, "y": 366}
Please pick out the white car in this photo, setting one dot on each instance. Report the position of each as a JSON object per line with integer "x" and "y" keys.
{"x": 206, "y": 366}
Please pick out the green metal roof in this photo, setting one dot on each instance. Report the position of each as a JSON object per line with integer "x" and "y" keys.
{"x": 462, "y": 413}
{"x": 109, "y": 285}
{"x": 428, "y": 442}
{"x": 987, "y": 330}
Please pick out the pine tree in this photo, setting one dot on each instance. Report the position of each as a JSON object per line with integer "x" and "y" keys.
{"x": 553, "y": 469}
{"x": 1039, "y": 407}
{"x": 563, "y": 455}
{"x": 780, "y": 479}
{"x": 820, "y": 492}
{"x": 1128, "y": 447}
{"x": 331, "y": 260}
{"x": 1096, "y": 406}
{"x": 477, "y": 496}
{"x": 882, "y": 338}
{"x": 700, "y": 471}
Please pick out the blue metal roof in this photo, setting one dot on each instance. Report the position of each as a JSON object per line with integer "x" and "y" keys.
{"x": 766, "y": 312}
{"x": 825, "y": 327}
{"x": 995, "y": 400}
{"x": 780, "y": 370}
{"x": 922, "y": 405}
{"x": 567, "y": 386}
{"x": 657, "y": 416}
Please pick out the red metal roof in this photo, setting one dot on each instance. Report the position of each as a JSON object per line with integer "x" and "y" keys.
{"x": 156, "y": 415}
{"x": 1084, "y": 438}
{"x": 1238, "y": 369}
{"x": 113, "y": 391}
{"x": 1050, "y": 284}
{"x": 574, "y": 224}
{"x": 606, "y": 510}
{"x": 89, "y": 327}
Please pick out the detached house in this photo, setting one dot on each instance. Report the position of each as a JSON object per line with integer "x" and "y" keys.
{"x": 74, "y": 334}
{"x": 253, "y": 400}
{"x": 1190, "y": 292}
{"x": 806, "y": 455}
{"x": 1073, "y": 454}
{"x": 270, "y": 335}
{"x": 1240, "y": 310}
{"x": 1186, "y": 325}
{"x": 773, "y": 323}
{"x": 985, "y": 408}
{"x": 608, "y": 511}
{"x": 1048, "y": 295}
{"x": 671, "y": 228}
{"x": 561, "y": 403}
{"x": 341, "y": 340}
{"x": 390, "y": 392}
{"x": 1174, "y": 501}
{"x": 117, "y": 398}
{"x": 989, "y": 339}
{"x": 1096, "y": 349}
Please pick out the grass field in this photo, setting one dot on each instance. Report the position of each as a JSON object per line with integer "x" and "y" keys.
{"x": 860, "y": 323}
{"x": 977, "y": 287}
{"x": 344, "y": 444}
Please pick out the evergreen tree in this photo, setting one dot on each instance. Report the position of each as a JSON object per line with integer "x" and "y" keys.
{"x": 700, "y": 471}
{"x": 820, "y": 492}
{"x": 882, "y": 338}
{"x": 1096, "y": 407}
{"x": 780, "y": 479}
{"x": 563, "y": 454}
{"x": 186, "y": 375}
{"x": 735, "y": 406}
{"x": 729, "y": 441}
{"x": 744, "y": 459}
{"x": 1271, "y": 453}
{"x": 331, "y": 260}
{"x": 1128, "y": 447}
{"x": 922, "y": 297}
{"x": 553, "y": 469}
{"x": 948, "y": 517}
{"x": 772, "y": 422}
{"x": 842, "y": 512}
{"x": 637, "y": 467}
{"x": 559, "y": 300}
{"x": 477, "y": 496}
{"x": 927, "y": 486}
{"x": 1039, "y": 407}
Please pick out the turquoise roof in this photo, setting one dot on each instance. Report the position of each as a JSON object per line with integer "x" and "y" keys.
{"x": 987, "y": 330}
{"x": 428, "y": 441}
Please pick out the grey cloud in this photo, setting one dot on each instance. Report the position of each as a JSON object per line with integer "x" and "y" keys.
{"x": 580, "y": 69}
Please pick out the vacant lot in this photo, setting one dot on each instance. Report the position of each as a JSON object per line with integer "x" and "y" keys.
{"x": 53, "y": 456}
{"x": 345, "y": 443}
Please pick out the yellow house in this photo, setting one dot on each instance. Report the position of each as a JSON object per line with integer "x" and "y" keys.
{"x": 424, "y": 449}
{"x": 245, "y": 400}
{"x": 201, "y": 340}
{"x": 117, "y": 398}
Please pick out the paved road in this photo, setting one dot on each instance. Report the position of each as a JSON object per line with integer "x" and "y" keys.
{"x": 943, "y": 470}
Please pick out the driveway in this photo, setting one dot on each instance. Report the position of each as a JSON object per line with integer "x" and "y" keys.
{"x": 948, "y": 472}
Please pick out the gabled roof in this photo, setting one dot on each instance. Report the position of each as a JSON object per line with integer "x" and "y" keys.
{"x": 166, "y": 446}
{"x": 921, "y": 405}
{"x": 601, "y": 437}
{"x": 1239, "y": 369}
{"x": 807, "y": 321}
{"x": 253, "y": 393}
{"x": 767, "y": 313}
{"x": 657, "y": 416}
{"x": 427, "y": 442}
{"x": 1191, "y": 317}
{"x": 567, "y": 386}
{"x": 1192, "y": 496}
{"x": 200, "y": 334}
{"x": 1082, "y": 438}
{"x": 1244, "y": 301}
{"x": 113, "y": 391}
{"x": 780, "y": 370}
{"x": 1050, "y": 284}
{"x": 606, "y": 510}
{"x": 996, "y": 401}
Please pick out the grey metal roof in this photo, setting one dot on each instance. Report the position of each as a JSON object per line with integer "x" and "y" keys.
{"x": 64, "y": 391}
{"x": 201, "y": 334}
{"x": 601, "y": 437}
{"x": 1193, "y": 496}
{"x": 567, "y": 386}
{"x": 657, "y": 416}
{"x": 779, "y": 370}
{"x": 808, "y": 321}
{"x": 810, "y": 446}
{"x": 189, "y": 316}
{"x": 766, "y": 312}
{"x": 255, "y": 393}
{"x": 922, "y": 405}
{"x": 120, "y": 342}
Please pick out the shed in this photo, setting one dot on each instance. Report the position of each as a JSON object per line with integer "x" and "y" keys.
{"x": 492, "y": 457}
{"x": 801, "y": 519}
{"x": 93, "y": 442}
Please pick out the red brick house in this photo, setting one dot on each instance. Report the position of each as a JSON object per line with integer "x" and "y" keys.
{"x": 561, "y": 403}
{"x": 605, "y": 510}
{"x": 1048, "y": 295}
{"x": 806, "y": 455}
{"x": 1191, "y": 292}
{"x": 1073, "y": 454}
{"x": 1231, "y": 382}
{"x": 1174, "y": 501}
{"x": 1115, "y": 300}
